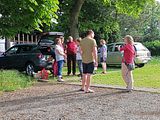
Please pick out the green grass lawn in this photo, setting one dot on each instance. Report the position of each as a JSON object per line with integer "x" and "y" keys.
{"x": 147, "y": 76}
{"x": 12, "y": 80}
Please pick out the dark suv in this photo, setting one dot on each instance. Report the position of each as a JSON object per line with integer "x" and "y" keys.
{"x": 30, "y": 57}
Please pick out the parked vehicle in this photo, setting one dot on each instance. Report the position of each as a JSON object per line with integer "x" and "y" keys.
{"x": 30, "y": 57}
{"x": 114, "y": 56}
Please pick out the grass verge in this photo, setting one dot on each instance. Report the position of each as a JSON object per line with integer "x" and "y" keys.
{"x": 147, "y": 76}
{"x": 13, "y": 80}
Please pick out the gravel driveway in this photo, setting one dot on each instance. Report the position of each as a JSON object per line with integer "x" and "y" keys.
{"x": 47, "y": 101}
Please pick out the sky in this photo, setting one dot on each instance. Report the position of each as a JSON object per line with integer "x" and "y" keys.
{"x": 158, "y": 0}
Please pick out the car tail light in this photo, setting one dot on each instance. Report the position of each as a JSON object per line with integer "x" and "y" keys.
{"x": 40, "y": 56}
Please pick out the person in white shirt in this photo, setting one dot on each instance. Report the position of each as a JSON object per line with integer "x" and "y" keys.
{"x": 60, "y": 57}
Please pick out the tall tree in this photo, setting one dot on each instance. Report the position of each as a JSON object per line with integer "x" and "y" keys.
{"x": 25, "y": 15}
{"x": 75, "y": 11}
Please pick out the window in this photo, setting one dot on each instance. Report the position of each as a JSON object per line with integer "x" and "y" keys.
{"x": 140, "y": 47}
{"x": 110, "y": 48}
{"x": 25, "y": 49}
{"x": 116, "y": 47}
{"x": 13, "y": 50}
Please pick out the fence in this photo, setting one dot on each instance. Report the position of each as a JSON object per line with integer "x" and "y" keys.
{"x": 25, "y": 38}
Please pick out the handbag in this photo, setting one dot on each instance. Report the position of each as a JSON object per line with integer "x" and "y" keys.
{"x": 130, "y": 66}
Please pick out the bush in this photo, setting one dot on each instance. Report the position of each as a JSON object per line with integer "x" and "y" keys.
{"x": 13, "y": 80}
{"x": 154, "y": 47}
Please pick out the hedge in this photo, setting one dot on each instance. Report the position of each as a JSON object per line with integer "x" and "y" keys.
{"x": 154, "y": 47}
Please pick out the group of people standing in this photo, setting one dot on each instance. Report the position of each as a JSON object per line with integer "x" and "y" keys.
{"x": 71, "y": 53}
{"x": 84, "y": 53}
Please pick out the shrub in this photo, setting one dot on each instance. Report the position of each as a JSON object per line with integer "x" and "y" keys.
{"x": 154, "y": 47}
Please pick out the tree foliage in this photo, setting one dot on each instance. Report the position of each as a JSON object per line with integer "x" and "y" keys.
{"x": 25, "y": 15}
{"x": 144, "y": 28}
{"x": 100, "y": 15}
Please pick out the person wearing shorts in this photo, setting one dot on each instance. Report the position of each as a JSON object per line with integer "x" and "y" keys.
{"x": 103, "y": 55}
{"x": 79, "y": 58}
{"x": 89, "y": 58}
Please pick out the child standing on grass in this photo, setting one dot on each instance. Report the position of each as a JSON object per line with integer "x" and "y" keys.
{"x": 79, "y": 57}
{"x": 103, "y": 55}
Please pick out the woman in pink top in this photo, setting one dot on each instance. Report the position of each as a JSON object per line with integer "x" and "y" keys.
{"x": 128, "y": 57}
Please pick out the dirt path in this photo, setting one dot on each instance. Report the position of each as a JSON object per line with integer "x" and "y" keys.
{"x": 46, "y": 101}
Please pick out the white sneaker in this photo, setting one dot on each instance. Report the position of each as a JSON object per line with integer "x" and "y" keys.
{"x": 60, "y": 80}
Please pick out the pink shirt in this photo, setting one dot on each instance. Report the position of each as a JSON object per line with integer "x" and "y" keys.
{"x": 129, "y": 53}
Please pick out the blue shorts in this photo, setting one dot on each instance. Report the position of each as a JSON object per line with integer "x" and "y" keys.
{"x": 103, "y": 59}
{"x": 88, "y": 68}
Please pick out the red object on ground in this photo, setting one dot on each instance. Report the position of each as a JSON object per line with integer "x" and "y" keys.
{"x": 55, "y": 68}
{"x": 44, "y": 74}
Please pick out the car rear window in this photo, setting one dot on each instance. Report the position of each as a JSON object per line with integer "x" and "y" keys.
{"x": 46, "y": 51}
{"x": 109, "y": 48}
{"x": 140, "y": 47}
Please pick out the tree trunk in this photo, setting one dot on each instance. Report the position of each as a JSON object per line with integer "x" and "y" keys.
{"x": 73, "y": 26}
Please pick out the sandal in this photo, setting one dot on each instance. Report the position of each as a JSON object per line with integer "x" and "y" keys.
{"x": 103, "y": 72}
{"x": 81, "y": 89}
{"x": 89, "y": 91}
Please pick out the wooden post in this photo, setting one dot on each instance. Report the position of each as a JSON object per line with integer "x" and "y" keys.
{"x": 27, "y": 38}
{"x": 36, "y": 38}
{"x": 14, "y": 39}
{"x": 23, "y": 37}
{"x": 18, "y": 38}
{"x": 31, "y": 38}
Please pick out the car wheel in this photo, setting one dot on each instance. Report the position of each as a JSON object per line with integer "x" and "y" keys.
{"x": 30, "y": 69}
{"x": 140, "y": 65}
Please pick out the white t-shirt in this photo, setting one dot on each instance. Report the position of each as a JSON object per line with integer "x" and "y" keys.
{"x": 59, "y": 56}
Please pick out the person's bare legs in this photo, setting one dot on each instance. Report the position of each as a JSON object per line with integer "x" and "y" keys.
{"x": 124, "y": 73}
{"x": 88, "y": 80}
{"x": 130, "y": 80}
{"x": 84, "y": 77}
{"x": 104, "y": 67}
